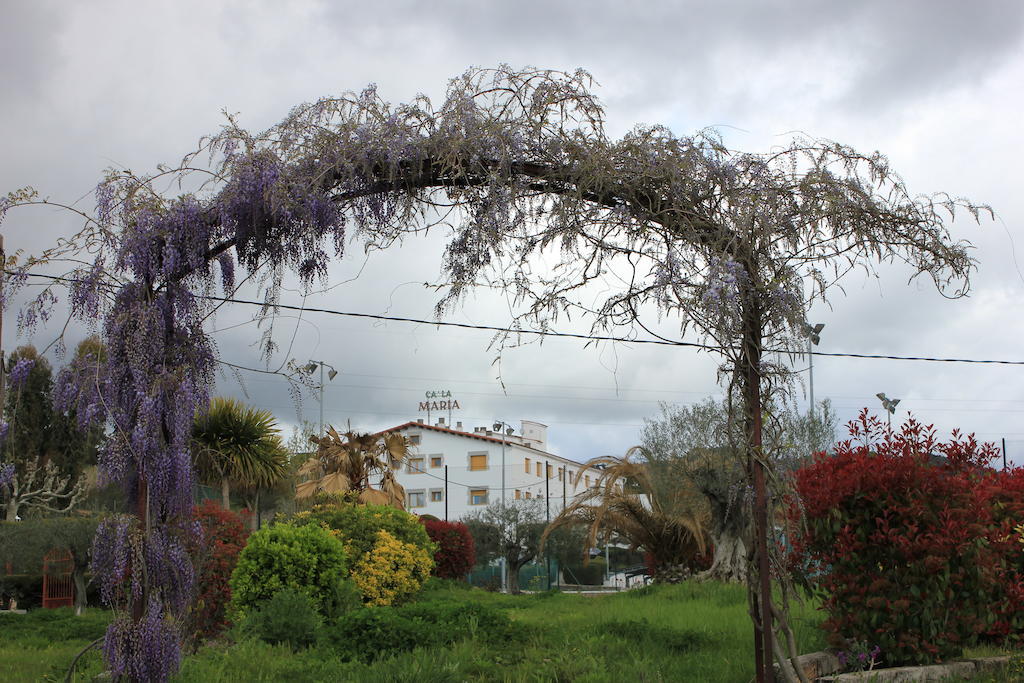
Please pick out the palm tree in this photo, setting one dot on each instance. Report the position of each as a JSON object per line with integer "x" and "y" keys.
{"x": 632, "y": 501}
{"x": 239, "y": 445}
{"x": 345, "y": 462}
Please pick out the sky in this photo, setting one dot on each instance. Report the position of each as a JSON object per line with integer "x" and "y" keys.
{"x": 934, "y": 84}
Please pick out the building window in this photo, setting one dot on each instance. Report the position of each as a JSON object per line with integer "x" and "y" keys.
{"x": 547, "y": 470}
{"x": 477, "y": 461}
{"x": 414, "y": 440}
{"x": 478, "y": 496}
{"x": 519, "y": 494}
{"x": 415, "y": 465}
{"x": 561, "y": 471}
{"x": 417, "y": 499}
{"x": 538, "y": 469}
{"x": 587, "y": 478}
{"x": 526, "y": 464}
{"x": 436, "y": 460}
{"x": 436, "y": 495}
{"x": 529, "y": 495}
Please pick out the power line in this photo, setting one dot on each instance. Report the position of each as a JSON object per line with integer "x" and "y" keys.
{"x": 569, "y": 335}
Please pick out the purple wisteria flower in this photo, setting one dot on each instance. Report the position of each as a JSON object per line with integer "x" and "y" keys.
{"x": 6, "y": 471}
{"x": 20, "y": 371}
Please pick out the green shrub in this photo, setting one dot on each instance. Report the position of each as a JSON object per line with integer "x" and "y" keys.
{"x": 357, "y": 526}
{"x": 288, "y": 617}
{"x": 370, "y": 634}
{"x": 306, "y": 558}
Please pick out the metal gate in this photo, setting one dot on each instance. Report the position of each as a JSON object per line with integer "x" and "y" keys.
{"x": 58, "y": 586}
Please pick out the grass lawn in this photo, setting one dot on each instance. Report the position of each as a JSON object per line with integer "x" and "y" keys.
{"x": 698, "y": 632}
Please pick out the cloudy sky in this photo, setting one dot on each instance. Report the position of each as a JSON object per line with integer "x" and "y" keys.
{"x": 935, "y": 85}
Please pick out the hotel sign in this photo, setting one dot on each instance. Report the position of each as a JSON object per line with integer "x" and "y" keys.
{"x": 440, "y": 399}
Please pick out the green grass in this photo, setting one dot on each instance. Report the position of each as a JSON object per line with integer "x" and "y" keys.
{"x": 667, "y": 633}
{"x": 664, "y": 633}
{"x": 41, "y": 644}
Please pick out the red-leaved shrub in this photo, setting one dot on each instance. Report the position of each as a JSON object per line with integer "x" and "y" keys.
{"x": 223, "y": 536}
{"x": 896, "y": 529}
{"x": 456, "y": 553}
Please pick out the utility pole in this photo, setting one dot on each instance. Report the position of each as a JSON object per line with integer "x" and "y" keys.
{"x": 547, "y": 516}
{"x": 1004, "y": 453}
{"x": 501, "y": 426}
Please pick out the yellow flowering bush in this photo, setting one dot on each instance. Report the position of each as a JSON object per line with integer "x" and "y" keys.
{"x": 392, "y": 571}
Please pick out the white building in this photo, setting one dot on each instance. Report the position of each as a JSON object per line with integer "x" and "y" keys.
{"x": 453, "y": 472}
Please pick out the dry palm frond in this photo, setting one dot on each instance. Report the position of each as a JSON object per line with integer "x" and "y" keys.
{"x": 629, "y": 503}
{"x": 346, "y": 462}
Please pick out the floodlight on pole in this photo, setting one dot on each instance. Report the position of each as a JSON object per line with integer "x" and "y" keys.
{"x": 889, "y": 404}
{"x": 813, "y": 334}
{"x": 309, "y": 368}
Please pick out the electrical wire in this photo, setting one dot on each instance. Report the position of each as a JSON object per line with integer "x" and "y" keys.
{"x": 569, "y": 335}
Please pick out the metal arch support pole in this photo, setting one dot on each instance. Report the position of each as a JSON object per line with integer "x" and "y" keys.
{"x": 446, "y": 493}
{"x": 321, "y": 398}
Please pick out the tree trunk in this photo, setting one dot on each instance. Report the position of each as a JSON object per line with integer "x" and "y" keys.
{"x": 513, "y": 574}
{"x": 12, "y": 509}
{"x": 225, "y": 493}
{"x": 729, "y": 562}
{"x": 81, "y": 598}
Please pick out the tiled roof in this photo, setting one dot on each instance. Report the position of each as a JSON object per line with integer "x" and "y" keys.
{"x": 472, "y": 435}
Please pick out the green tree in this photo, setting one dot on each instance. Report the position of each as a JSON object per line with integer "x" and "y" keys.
{"x": 44, "y": 446}
{"x": 25, "y": 544}
{"x": 701, "y": 446}
{"x": 238, "y": 445}
{"x": 510, "y": 530}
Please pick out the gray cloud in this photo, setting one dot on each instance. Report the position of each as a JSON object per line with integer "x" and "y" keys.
{"x": 933, "y": 83}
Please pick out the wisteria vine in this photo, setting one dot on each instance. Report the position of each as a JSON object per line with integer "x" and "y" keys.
{"x": 518, "y": 166}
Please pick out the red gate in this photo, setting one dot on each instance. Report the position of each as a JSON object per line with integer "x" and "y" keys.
{"x": 58, "y": 586}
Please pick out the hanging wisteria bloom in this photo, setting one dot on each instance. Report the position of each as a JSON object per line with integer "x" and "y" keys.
{"x": 20, "y": 372}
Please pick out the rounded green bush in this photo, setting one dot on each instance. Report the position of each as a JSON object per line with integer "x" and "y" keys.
{"x": 357, "y": 526}
{"x": 288, "y": 617}
{"x": 308, "y": 559}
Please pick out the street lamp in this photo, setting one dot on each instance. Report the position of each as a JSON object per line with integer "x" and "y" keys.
{"x": 309, "y": 368}
{"x": 890, "y": 406}
{"x": 813, "y": 334}
{"x": 503, "y": 428}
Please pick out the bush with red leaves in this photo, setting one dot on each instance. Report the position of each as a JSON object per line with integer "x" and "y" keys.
{"x": 224, "y": 534}
{"x": 456, "y": 553}
{"x": 896, "y": 539}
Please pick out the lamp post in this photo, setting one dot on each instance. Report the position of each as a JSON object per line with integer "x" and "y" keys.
{"x": 813, "y": 334}
{"x": 311, "y": 367}
{"x": 890, "y": 406}
{"x": 500, "y": 426}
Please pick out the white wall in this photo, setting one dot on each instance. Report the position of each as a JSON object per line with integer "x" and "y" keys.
{"x": 455, "y": 450}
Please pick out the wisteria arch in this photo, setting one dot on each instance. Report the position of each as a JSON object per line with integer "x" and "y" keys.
{"x": 514, "y": 165}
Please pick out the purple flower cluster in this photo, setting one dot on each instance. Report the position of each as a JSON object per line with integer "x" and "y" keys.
{"x": 147, "y": 650}
{"x": 20, "y": 372}
{"x": 6, "y": 471}
{"x": 859, "y": 658}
